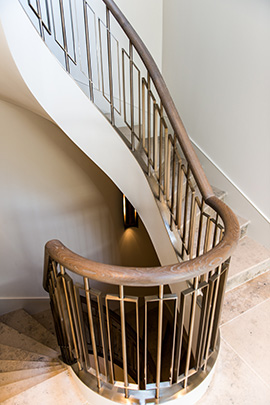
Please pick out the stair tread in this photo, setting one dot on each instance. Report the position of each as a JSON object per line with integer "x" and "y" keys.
{"x": 9, "y": 377}
{"x": 246, "y": 296}
{"x": 249, "y": 260}
{"x": 60, "y": 389}
{"x": 10, "y": 335}
{"x": 12, "y": 353}
{"x": 10, "y": 390}
{"x": 14, "y": 365}
{"x": 45, "y": 318}
{"x": 26, "y": 324}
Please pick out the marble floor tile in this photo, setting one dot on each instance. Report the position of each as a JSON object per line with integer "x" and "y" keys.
{"x": 234, "y": 383}
{"x": 249, "y": 336}
{"x": 246, "y": 296}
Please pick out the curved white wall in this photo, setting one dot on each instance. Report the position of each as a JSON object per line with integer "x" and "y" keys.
{"x": 50, "y": 189}
{"x": 70, "y": 109}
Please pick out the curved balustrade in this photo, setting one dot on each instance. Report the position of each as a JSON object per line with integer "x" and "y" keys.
{"x": 123, "y": 326}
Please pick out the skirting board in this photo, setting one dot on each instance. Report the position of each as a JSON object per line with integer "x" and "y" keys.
{"x": 259, "y": 228}
{"x": 32, "y": 305}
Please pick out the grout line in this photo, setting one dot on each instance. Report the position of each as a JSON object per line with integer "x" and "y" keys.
{"x": 243, "y": 313}
{"x": 247, "y": 364}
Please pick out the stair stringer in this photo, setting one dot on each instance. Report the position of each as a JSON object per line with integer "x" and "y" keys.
{"x": 55, "y": 94}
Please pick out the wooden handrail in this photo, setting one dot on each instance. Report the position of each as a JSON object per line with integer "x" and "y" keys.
{"x": 166, "y": 274}
{"x": 166, "y": 99}
{"x": 149, "y": 276}
{"x": 175, "y": 272}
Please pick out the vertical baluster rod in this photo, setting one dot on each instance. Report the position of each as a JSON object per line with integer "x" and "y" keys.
{"x": 91, "y": 324}
{"x": 88, "y": 53}
{"x": 123, "y": 333}
{"x": 159, "y": 342}
{"x": 110, "y": 64}
{"x": 62, "y": 271}
{"x": 149, "y": 121}
{"x": 131, "y": 95}
{"x": 191, "y": 329}
{"x": 63, "y": 23}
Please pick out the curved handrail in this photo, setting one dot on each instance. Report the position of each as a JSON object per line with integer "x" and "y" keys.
{"x": 149, "y": 276}
{"x": 176, "y": 272}
{"x": 166, "y": 98}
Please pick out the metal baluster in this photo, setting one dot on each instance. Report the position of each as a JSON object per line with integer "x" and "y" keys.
{"x": 78, "y": 341}
{"x": 168, "y": 168}
{"x": 185, "y": 211}
{"x": 91, "y": 324}
{"x": 173, "y": 339}
{"x": 62, "y": 271}
{"x": 110, "y": 64}
{"x": 160, "y": 150}
{"x": 191, "y": 329}
{"x": 143, "y": 113}
{"x": 103, "y": 335}
{"x": 223, "y": 281}
{"x": 88, "y": 54}
{"x": 180, "y": 175}
{"x": 173, "y": 182}
{"x": 81, "y": 326}
{"x": 149, "y": 121}
{"x": 131, "y": 95}
{"x": 159, "y": 341}
{"x": 63, "y": 23}
{"x": 213, "y": 307}
{"x": 191, "y": 225}
{"x": 123, "y": 333}
{"x": 204, "y": 287}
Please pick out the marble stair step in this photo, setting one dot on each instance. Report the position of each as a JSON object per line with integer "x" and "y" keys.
{"x": 10, "y": 377}
{"x": 9, "y": 335}
{"x": 10, "y": 390}
{"x": 26, "y": 324}
{"x": 244, "y": 223}
{"x": 45, "y": 318}
{"x": 58, "y": 390}
{"x": 13, "y": 353}
{"x": 15, "y": 365}
{"x": 248, "y": 261}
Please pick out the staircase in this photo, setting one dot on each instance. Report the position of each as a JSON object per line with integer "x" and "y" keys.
{"x": 129, "y": 334}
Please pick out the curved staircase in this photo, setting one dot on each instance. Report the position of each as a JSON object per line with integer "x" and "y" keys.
{"x": 130, "y": 334}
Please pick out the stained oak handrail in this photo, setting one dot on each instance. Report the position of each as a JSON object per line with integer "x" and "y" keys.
{"x": 149, "y": 276}
{"x": 164, "y": 274}
{"x": 167, "y": 101}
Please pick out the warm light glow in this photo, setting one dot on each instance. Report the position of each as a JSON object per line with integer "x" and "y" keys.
{"x": 130, "y": 215}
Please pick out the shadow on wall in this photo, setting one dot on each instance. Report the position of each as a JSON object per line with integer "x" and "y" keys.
{"x": 51, "y": 190}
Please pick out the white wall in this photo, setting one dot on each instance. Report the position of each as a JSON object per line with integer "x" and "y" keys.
{"x": 50, "y": 189}
{"x": 146, "y": 16}
{"x": 216, "y": 62}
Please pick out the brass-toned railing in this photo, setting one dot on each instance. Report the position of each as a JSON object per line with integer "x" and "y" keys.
{"x": 142, "y": 340}
{"x": 102, "y": 52}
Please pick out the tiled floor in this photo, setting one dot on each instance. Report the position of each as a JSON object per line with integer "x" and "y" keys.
{"x": 242, "y": 374}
